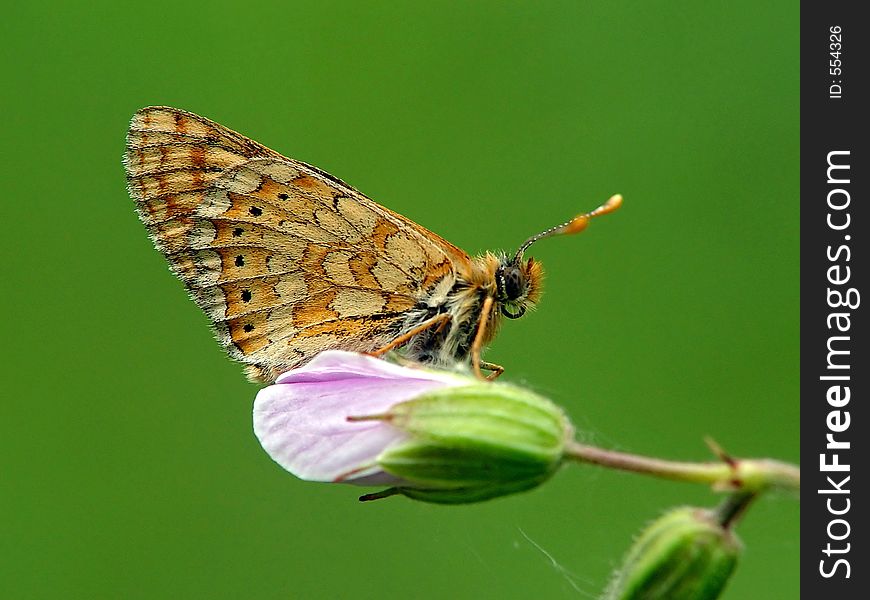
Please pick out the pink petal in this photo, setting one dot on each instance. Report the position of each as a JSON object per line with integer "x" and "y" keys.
{"x": 301, "y": 420}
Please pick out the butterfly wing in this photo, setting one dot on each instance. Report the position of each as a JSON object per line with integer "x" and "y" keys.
{"x": 286, "y": 260}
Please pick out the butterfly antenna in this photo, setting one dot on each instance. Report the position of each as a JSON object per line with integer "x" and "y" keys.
{"x": 575, "y": 225}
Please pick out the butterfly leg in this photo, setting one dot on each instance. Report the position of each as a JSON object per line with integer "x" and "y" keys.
{"x": 496, "y": 369}
{"x": 477, "y": 345}
{"x": 438, "y": 320}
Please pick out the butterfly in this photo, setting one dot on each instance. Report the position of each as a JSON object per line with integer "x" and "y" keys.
{"x": 287, "y": 260}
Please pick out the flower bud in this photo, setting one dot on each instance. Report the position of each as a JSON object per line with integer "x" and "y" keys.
{"x": 684, "y": 555}
{"x": 432, "y": 435}
{"x": 475, "y": 442}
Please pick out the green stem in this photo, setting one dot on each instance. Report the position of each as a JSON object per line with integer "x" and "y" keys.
{"x": 732, "y": 508}
{"x": 751, "y": 475}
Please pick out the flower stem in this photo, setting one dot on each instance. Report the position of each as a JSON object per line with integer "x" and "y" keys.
{"x": 732, "y": 508}
{"x": 751, "y": 475}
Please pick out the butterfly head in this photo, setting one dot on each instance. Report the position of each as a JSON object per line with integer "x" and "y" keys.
{"x": 518, "y": 281}
{"x": 518, "y": 286}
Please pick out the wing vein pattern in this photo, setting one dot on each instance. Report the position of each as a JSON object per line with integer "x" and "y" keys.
{"x": 285, "y": 259}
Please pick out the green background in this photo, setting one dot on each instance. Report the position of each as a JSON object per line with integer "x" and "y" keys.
{"x": 127, "y": 462}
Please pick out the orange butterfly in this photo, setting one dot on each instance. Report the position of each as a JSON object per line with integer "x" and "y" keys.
{"x": 288, "y": 261}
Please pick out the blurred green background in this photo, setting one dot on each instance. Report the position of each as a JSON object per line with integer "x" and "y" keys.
{"x": 127, "y": 462}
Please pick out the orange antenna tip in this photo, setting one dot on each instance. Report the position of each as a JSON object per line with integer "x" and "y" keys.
{"x": 581, "y": 222}
{"x": 614, "y": 202}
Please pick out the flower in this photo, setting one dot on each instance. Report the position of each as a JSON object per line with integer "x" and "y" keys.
{"x": 432, "y": 435}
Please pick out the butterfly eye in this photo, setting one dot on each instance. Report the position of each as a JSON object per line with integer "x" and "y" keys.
{"x": 513, "y": 283}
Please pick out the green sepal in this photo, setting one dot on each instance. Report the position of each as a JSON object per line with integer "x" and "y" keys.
{"x": 475, "y": 442}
